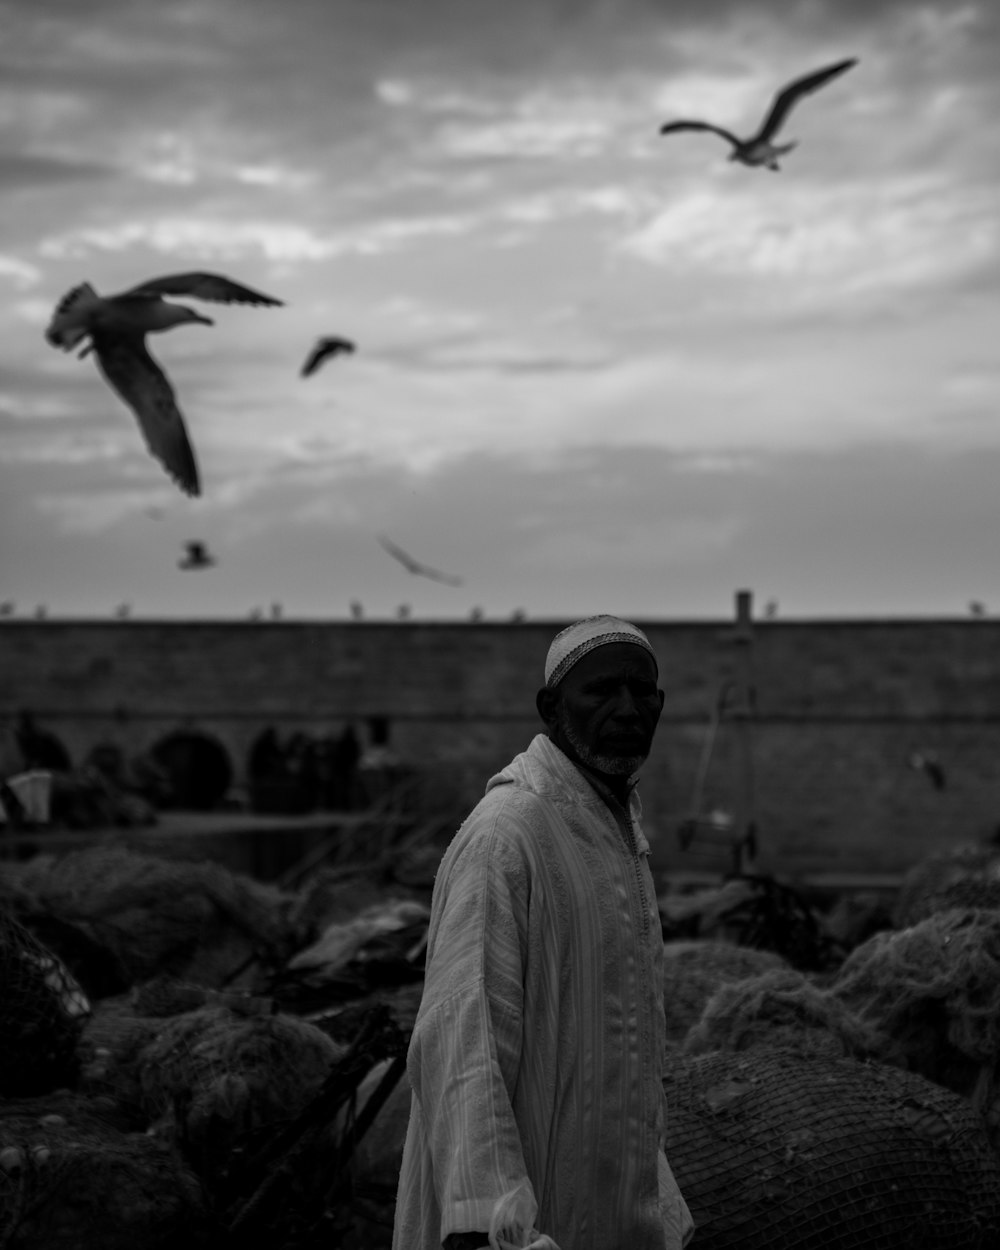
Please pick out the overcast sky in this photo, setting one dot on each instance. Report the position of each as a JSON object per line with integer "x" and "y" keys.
{"x": 597, "y": 368}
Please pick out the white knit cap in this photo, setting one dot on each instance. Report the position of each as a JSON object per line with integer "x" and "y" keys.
{"x": 573, "y": 643}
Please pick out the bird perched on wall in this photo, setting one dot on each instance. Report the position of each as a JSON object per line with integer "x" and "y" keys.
{"x": 7, "y": 607}
{"x": 977, "y": 608}
{"x": 114, "y": 328}
{"x": 760, "y": 149}
{"x": 771, "y": 609}
{"x": 322, "y": 350}
{"x": 414, "y": 566}
{"x": 929, "y": 763}
{"x": 123, "y": 610}
{"x": 357, "y": 610}
{"x": 197, "y": 556}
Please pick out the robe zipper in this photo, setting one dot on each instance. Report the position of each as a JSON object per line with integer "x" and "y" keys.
{"x": 634, "y": 849}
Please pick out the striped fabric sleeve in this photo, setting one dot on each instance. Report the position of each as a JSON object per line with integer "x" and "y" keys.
{"x": 465, "y": 1051}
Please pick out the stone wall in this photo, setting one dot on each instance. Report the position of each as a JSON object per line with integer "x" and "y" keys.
{"x": 838, "y": 708}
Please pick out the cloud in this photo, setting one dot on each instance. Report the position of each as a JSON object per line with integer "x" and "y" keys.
{"x": 31, "y": 169}
{"x": 834, "y": 241}
{"x": 20, "y": 273}
{"x": 275, "y": 240}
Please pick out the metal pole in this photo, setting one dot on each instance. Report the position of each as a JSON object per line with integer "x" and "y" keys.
{"x": 745, "y": 845}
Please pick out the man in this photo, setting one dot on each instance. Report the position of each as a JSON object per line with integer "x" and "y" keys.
{"x": 537, "y": 1056}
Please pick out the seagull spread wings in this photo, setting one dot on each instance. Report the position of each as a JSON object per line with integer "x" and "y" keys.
{"x": 414, "y": 566}
{"x": 142, "y": 384}
{"x": 322, "y": 349}
{"x": 208, "y": 286}
{"x": 783, "y": 104}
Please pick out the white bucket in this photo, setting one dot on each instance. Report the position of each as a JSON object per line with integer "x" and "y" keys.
{"x": 33, "y": 791}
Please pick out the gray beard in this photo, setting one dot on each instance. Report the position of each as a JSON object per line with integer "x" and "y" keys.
{"x": 612, "y": 765}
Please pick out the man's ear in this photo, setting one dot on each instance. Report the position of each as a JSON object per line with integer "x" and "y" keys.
{"x": 546, "y": 702}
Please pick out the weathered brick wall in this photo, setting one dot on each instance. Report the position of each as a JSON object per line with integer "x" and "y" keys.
{"x": 839, "y": 706}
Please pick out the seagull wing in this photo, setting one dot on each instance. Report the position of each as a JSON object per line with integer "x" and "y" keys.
{"x": 414, "y": 566}
{"x": 142, "y": 384}
{"x": 449, "y": 579}
{"x": 406, "y": 560}
{"x": 672, "y": 127}
{"x": 321, "y": 350}
{"x": 786, "y": 99}
{"x": 208, "y": 286}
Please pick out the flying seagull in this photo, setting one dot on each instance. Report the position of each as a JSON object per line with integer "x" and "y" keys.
{"x": 198, "y": 556}
{"x": 759, "y": 148}
{"x": 322, "y": 349}
{"x": 114, "y": 327}
{"x": 414, "y": 566}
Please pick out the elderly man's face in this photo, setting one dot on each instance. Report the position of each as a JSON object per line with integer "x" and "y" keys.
{"x": 605, "y": 711}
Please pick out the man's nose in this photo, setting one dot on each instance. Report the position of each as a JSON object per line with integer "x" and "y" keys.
{"x": 625, "y": 703}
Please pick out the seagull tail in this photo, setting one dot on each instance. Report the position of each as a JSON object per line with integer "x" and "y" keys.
{"x": 69, "y": 321}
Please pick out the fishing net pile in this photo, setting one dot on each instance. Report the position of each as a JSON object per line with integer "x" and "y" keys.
{"x": 147, "y": 915}
{"x": 968, "y": 876}
{"x": 71, "y": 1178}
{"x": 42, "y": 1010}
{"x": 755, "y": 911}
{"x": 787, "y": 1152}
{"x": 239, "y": 1093}
{"x": 933, "y": 990}
{"x": 782, "y": 1007}
{"x": 694, "y": 969}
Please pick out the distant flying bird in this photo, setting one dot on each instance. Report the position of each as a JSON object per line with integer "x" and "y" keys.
{"x": 357, "y": 610}
{"x": 198, "y": 556}
{"x": 476, "y": 614}
{"x": 117, "y": 325}
{"x": 7, "y": 607}
{"x": 414, "y": 566}
{"x": 519, "y": 614}
{"x": 41, "y": 612}
{"x": 256, "y": 614}
{"x": 929, "y": 763}
{"x": 403, "y": 612}
{"x": 977, "y": 608}
{"x": 123, "y": 610}
{"x": 771, "y": 609}
{"x": 275, "y": 611}
{"x": 324, "y": 348}
{"x": 759, "y": 148}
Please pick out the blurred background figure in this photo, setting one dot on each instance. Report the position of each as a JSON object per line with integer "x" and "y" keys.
{"x": 928, "y": 762}
{"x": 379, "y": 767}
